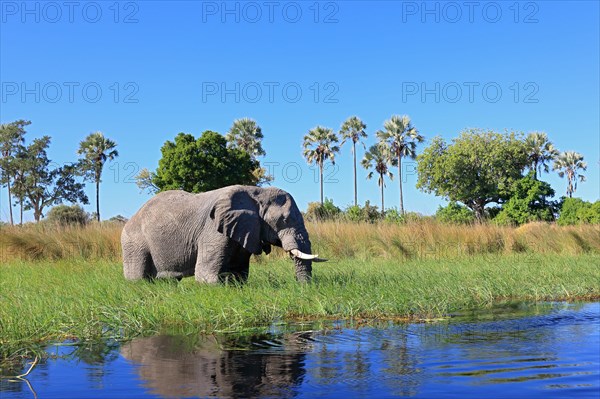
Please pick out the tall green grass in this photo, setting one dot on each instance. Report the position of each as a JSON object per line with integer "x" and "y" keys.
{"x": 336, "y": 240}
{"x": 88, "y": 300}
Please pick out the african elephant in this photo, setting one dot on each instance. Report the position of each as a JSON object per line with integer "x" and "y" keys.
{"x": 213, "y": 234}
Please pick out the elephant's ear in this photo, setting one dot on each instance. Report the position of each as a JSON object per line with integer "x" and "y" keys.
{"x": 236, "y": 216}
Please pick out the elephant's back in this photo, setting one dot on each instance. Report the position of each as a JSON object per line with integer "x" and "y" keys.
{"x": 168, "y": 208}
{"x": 164, "y": 202}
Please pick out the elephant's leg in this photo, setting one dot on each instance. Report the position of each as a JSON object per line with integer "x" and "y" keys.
{"x": 213, "y": 259}
{"x": 137, "y": 263}
{"x": 240, "y": 265}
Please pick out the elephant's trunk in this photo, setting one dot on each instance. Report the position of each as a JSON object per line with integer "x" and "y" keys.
{"x": 298, "y": 245}
{"x": 303, "y": 266}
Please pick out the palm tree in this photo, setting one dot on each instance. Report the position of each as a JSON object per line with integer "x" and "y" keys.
{"x": 353, "y": 129}
{"x": 540, "y": 151}
{"x": 96, "y": 150}
{"x": 568, "y": 163}
{"x": 318, "y": 147}
{"x": 402, "y": 138}
{"x": 246, "y": 135}
{"x": 379, "y": 157}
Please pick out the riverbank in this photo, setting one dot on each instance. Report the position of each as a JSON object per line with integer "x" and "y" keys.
{"x": 89, "y": 299}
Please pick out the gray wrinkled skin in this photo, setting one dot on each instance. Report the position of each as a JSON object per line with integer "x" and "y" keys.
{"x": 212, "y": 235}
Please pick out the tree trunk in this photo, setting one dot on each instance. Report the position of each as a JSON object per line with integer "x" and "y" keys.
{"x": 354, "y": 155}
{"x": 10, "y": 204}
{"x": 98, "y": 200}
{"x": 21, "y": 211}
{"x": 37, "y": 213}
{"x": 382, "y": 205}
{"x": 479, "y": 211}
{"x": 321, "y": 180}
{"x": 400, "y": 184}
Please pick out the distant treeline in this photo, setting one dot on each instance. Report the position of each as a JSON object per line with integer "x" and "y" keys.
{"x": 485, "y": 175}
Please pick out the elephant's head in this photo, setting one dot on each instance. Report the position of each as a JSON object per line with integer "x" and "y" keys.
{"x": 260, "y": 217}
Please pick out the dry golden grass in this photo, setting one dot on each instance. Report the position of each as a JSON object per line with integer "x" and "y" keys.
{"x": 45, "y": 241}
{"x": 429, "y": 239}
{"x": 334, "y": 240}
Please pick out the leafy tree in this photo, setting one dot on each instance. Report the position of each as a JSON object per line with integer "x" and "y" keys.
{"x": 353, "y": 129}
{"x": 528, "y": 202}
{"x": 145, "y": 181}
{"x": 540, "y": 151}
{"x": 319, "y": 146}
{"x": 568, "y": 164}
{"x": 455, "y": 213}
{"x": 67, "y": 215}
{"x": 246, "y": 135}
{"x": 12, "y": 137}
{"x": 402, "y": 137}
{"x": 46, "y": 186}
{"x": 118, "y": 219}
{"x": 261, "y": 176}
{"x": 478, "y": 168}
{"x": 203, "y": 164}
{"x": 21, "y": 162}
{"x": 96, "y": 150}
{"x": 378, "y": 158}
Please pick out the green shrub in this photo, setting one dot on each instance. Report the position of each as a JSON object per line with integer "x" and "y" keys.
{"x": 67, "y": 215}
{"x": 366, "y": 213}
{"x": 593, "y": 213}
{"x": 325, "y": 211}
{"x": 393, "y": 216}
{"x": 353, "y": 213}
{"x": 455, "y": 213}
{"x": 578, "y": 211}
{"x": 415, "y": 217}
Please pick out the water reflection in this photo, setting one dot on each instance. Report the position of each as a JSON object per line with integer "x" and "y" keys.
{"x": 179, "y": 367}
{"x": 544, "y": 351}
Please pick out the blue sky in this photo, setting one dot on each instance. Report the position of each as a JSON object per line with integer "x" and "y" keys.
{"x": 143, "y": 71}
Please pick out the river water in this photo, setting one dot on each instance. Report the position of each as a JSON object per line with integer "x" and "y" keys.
{"x": 518, "y": 351}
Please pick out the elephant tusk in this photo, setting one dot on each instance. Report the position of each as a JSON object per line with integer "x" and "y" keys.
{"x": 301, "y": 255}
